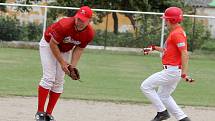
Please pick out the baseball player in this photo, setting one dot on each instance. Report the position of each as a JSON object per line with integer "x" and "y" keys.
{"x": 72, "y": 33}
{"x": 175, "y": 67}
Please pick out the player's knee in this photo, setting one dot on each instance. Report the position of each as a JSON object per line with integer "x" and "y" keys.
{"x": 47, "y": 82}
{"x": 144, "y": 87}
{"x": 57, "y": 87}
{"x": 57, "y": 90}
{"x": 163, "y": 97}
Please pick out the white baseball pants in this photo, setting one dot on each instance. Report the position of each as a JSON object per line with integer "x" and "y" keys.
{"x": 53, "y": 75}
{"x": 166, "y": 81}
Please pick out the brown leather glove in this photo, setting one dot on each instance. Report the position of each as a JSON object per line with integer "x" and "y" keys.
{"x": 73, "y": 73}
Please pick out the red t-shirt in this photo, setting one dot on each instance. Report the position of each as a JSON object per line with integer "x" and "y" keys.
{"x": 175, "y": 42}
{"x": 65, "y": 34}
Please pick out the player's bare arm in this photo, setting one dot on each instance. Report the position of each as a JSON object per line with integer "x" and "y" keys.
{"x": 184, "y": 61}
{"x": 157, "y": 48}
{"x": 152, "y": 48}
{"x": 76, "y": 54}
{"x": 56, "y": 52}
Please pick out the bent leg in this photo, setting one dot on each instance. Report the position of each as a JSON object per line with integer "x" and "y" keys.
{"x": 57, "y": 87}
{"x": 148, "y": 87}
{"x": 49, "y": 70}
{"x": 164, "y": 93}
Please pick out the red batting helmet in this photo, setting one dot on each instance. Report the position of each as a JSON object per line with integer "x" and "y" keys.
{"x": 173, "y": 15}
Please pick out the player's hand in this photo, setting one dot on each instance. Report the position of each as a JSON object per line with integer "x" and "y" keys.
{"x": 74, "y": 73}
{"x": 148, "y": 49}
{"x": 64, "y": 66}
{"x": 187, "y": 78}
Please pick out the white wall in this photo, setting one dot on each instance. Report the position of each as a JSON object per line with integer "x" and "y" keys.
{"x": 209, "y": 22}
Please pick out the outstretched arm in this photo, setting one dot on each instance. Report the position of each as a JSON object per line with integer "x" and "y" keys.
{"x": 160, "y": 49}
{"x": 152, "y": 48}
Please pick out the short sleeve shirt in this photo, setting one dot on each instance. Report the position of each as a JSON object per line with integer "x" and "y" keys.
{"x": 175, "y": 42}
{"x": 67, "y": 36}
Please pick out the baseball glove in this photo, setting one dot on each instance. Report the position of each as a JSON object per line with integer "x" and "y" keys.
{"x": 73, "y": 73}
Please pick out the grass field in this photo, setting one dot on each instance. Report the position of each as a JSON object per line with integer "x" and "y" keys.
{"x": 107, "y": 76}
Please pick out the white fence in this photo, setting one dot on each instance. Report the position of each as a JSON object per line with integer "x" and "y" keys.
{"x": 103, "y": 10}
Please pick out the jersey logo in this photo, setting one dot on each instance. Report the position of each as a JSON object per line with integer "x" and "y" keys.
{"x": 83, "y": 12}
{"x": 181, "y": 44}
{"x": 70, "y": 40}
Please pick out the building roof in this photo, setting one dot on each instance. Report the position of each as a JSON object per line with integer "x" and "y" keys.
{"x": 198, "y": 3}
{"x": 212, "y": 4}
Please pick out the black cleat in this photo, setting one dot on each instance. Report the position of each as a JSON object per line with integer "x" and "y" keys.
{"x": 49, "y": 117}
{"x": 161, "y": 116}
{"x": 185, "y": 119}
{"x": 40, "y": 116}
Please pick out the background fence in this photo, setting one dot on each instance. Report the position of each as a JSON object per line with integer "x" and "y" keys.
{"x": 115, "y": 28}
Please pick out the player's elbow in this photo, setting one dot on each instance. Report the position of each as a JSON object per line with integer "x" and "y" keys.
{"x": 184, "y": 54}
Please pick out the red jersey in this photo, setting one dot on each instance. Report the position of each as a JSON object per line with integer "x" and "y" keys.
{"x": 175, "y": 42}
{"x": 67, "y": 36}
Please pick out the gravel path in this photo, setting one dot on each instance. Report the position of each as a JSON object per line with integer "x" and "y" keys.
{"x": 23, "y": 109}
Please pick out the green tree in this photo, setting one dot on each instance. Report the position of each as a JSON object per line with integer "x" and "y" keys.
{"x": 3, "y": 8}
{"x": 104, "y": 4}
{"x": 140, "y": 5}
{"x": 9, "y": 29}
{"x": 149, "y": 25}
{"x": 161, "y": 5}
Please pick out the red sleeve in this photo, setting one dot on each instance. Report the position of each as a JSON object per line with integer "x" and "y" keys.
{"x": 83, "y": 45}
{"x": 57, "y": 32}
{"x": 180, "y": 40}
{"x": 88, "y": 38}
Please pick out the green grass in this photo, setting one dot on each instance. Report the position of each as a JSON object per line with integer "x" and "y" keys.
{"x": 107, "y": 76}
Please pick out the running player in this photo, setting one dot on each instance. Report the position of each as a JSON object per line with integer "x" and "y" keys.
{"x": 175, "y": 67}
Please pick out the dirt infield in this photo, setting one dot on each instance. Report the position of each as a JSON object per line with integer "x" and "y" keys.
{"x": 23, "y": 109}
